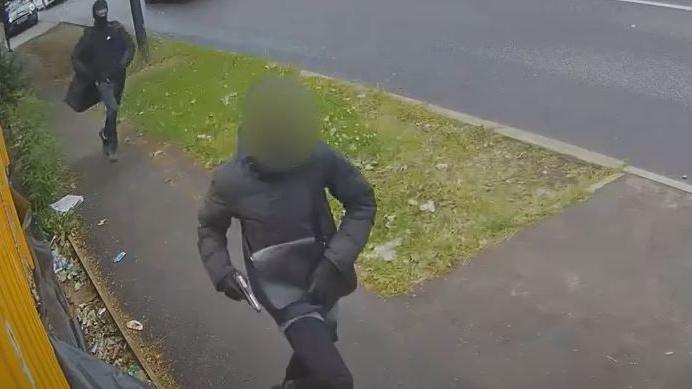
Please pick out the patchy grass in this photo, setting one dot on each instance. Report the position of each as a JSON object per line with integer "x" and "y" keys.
{"x": 484, "y": 187}
{"x": 37, "y": 164}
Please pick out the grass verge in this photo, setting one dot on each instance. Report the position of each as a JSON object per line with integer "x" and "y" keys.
{"x": 445, "y": 189}
{"x": 37, "y": 165}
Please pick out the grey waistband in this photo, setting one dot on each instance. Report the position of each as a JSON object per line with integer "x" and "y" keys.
{"x": 288, "y": 323}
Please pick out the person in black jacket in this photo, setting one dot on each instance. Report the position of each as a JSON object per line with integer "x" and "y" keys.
{"x": 275, "y": 186}
{"x": 100, "y": 59}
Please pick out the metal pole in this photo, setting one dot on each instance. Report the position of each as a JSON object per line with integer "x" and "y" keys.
{"x": 140, "y": 30}
{"x": 4, "y": 40}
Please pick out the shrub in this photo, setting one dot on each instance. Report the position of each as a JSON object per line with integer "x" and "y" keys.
{"x": 12, "y": 83}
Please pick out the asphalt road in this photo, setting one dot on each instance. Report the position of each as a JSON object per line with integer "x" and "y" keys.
{"x": 609, "y": 76}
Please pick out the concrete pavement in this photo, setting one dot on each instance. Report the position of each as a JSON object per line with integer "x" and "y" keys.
{"x": 608, "y": 76}
{"x": 598, "y": 296}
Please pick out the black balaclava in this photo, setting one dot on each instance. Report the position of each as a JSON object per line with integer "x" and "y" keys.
{"x": 100, "y": 13}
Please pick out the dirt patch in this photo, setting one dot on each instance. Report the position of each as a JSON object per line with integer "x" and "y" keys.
{"x": 52, "y": 51}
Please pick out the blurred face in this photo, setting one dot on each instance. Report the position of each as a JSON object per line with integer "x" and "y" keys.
{"x": 280, "y": 127}
{"x": 101, "y": 13}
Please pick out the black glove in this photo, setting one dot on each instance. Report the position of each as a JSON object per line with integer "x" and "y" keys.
{"x": 325, "y": 283}
{"x": 230, "y": 287}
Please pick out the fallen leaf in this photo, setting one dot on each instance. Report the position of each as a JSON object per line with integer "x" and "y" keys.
{"x": 156, "y": 153}
{"x": 428, "y": 206}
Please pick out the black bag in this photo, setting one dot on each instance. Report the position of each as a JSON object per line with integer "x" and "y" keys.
{"x": 283, "y": 271}
{"x": 82, "y": 95}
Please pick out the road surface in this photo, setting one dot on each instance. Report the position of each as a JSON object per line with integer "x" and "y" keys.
{"x": 611, "y": 76}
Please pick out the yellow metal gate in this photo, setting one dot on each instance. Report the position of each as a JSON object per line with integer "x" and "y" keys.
{"x": 27, "y": 359}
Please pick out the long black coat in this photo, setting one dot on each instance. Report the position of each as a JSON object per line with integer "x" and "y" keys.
{"x": 113, "y": 42}
{"x": 277, "y": 208}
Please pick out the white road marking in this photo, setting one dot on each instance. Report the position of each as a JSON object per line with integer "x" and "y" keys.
{"x": 658, "y": 4}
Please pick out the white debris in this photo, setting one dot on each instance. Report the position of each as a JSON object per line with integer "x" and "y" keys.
{"x": 441, "y": 166}
{"x": 389, "y": 221}
{"x": 60, "y": 263}
{"x": 66, "y": 203}
{"x": 204, "y": 137}
{"x": 669, "y": 353}
{"x": 101, "y": 222}
{"x": 428, "y": 206}
{"x": 156, "y": 153}
{"x": 387, "y": 251}
{"x": 135, "y": 325}
{"x": 226, "y": 100}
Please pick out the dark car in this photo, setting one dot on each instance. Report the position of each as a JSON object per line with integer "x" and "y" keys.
{"x": 19, "y": 14}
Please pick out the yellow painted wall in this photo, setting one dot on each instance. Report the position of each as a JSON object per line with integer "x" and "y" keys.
{"x": 27, "y": 359}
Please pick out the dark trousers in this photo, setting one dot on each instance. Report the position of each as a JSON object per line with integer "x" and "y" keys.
{"x": 316, "y": 362}
{"x": 111, "y": 94}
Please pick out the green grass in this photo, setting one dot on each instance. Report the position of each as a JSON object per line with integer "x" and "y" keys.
{"x": 37, "y": 165}
{"x": 485, "y": 187}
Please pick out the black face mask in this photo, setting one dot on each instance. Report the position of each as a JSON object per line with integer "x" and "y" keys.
{"x": 100, "y": 17}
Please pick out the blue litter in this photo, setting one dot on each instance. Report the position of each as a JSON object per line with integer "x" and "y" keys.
{"x": 119, "y": 257}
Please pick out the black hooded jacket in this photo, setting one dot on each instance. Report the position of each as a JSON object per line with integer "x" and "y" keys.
{"x": 278, "y": 207}
{"x": 103, "y": 52}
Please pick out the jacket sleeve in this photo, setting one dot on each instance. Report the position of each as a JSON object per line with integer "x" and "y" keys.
{"x": 215, "y": 218}
{"x": 129, "y": 53}
{"x": 348, "y": 186}
{"x": 80, "y": 67}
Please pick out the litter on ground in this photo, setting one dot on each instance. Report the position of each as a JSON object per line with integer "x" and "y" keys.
{"x": 66, "y": 203}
